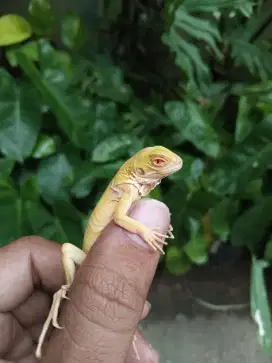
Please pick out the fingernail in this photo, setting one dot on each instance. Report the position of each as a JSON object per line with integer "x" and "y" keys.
{"x": 153, "y": 214}
{"x": 146, "y": 310}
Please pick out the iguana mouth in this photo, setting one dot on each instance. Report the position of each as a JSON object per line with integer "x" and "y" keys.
{"x": 175, "y": 167}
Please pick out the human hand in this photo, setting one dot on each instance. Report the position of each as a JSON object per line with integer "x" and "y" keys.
{"x": 107, "y": 297}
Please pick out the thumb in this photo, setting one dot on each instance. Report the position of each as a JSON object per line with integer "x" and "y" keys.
{"x": 109, "y": 293}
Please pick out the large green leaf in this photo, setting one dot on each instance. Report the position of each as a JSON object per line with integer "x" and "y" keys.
{"x": 64, "y": 225}
{"x": 13, "y": 29}
{"x": 260, "y": 309}
{"x": 20, "y": 115}
{"x": 52, "y": 175}
{"x": 56, "y": 66}
{"x": 194, "y": 126}
{"x": 10, "y": 213}
{"x": 111, "y": 148}
{"x": 42, "y": 17}
{"x": 30, "y": 49}
{"x": 251, "y": 226}
{"x": 87, "y": 174}
{"x": 75, "y": 113}
{"x": 40, "y": 221}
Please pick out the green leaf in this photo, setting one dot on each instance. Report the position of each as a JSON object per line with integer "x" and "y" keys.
{"x": 176, "y": 197}
{"x": 188, "y": 56}
{"x": 191, "y": 172}
{"x": 260, "y": 309}
{"x": 247, "y": 9}
{"x": 30, "y": 50}
{"x": 51, "y": 176}
{"x": 251, "y": 226}
{"x": 86, "y": 176}
{"x": 68, "y": 223}
{"x": 176, "y": 111}
{"x": 232, "y": 176}
{"x": 41, "y": 222}
{"x": 30, "y": 189}
{"x": 20, "y": 115}
{"x": 246, "y": 162}
{"x": 213, "y": 5}
{"x": 112, "y": 148}
{"x": 109, "y": 83}
{"x": 107, "y": 117}
{"x": 75, "y": 114}
{"x": 45, "y": 146}
{"x": 253, "y": 189}
{"x": 194, "y": 126}
{"x": 222, "y": 216}
{"x": 10, "y": 214}
{"x": 41, "y": 17}
{"x": 200, "y": 131}
{"x": 73, "y": 33}
{"x": 56, "y": 66}
{"x": 177, "y": 262}
{"x": 6, "y": 166}
{"x": 13, "y": 29}
{"x": 196, "y": 249}
{"x": 243, "y": 122}
{"x": 257, "y": 59}
{"x": 155, "y": 193}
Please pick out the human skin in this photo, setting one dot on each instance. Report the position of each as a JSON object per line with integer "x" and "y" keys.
{"x": 107, "y": 296}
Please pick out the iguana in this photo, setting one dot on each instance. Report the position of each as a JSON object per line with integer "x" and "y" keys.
{"x": 134, "y": 180}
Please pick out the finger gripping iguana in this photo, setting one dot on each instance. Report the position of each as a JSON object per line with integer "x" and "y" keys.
{"x": 134, "y": 180}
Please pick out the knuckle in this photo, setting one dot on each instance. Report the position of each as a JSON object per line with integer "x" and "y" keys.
{"x": 110, "y": 299}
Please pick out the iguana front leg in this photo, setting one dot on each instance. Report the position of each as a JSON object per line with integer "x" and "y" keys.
{"x": 120, "y": 217}
{"x": 71, "y": 256}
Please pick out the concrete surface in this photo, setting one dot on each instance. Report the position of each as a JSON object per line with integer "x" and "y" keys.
{"x": 183, "y": 331}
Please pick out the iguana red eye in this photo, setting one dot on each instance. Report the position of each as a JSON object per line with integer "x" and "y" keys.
{"x": 159, "y": 162}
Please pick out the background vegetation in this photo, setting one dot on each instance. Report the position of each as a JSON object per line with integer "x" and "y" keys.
{"x": 76, "y": 100}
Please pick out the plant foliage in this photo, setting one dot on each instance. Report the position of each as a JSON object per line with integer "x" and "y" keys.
{"x": 192, "y": 75}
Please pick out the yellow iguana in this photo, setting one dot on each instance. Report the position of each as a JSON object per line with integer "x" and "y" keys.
{"x": 134, "y": 180}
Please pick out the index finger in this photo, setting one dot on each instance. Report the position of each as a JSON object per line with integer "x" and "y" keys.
{"x": 108, "y": 293}
{"x": 27, "y": 263}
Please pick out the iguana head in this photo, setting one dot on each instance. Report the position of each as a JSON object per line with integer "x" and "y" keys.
{"x": 154, "y": 163}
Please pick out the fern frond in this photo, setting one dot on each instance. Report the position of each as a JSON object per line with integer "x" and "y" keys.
{"x": 184, "y": 31}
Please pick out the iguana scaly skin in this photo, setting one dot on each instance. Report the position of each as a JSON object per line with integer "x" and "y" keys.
{"x": 134, "y": 180}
